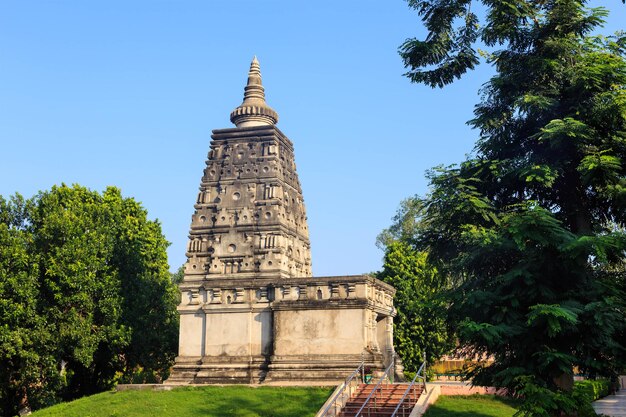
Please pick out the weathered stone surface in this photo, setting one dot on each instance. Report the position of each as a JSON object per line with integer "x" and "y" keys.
{"x": 254, "y": 111}
{"x": 250, "y": 309}
{"x": 249, "y": 218}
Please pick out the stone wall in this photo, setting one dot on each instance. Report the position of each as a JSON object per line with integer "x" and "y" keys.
{"x": 303, "y": 328}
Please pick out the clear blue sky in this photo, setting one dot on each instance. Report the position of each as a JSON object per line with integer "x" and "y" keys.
{"x": 126, "y": 93}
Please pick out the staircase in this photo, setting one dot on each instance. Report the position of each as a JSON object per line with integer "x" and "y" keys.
{"x": 383, "y": 402}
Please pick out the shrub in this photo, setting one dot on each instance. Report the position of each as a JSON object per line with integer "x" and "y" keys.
{"x": 590, "y": 390}
{"x": 540, "y": 401}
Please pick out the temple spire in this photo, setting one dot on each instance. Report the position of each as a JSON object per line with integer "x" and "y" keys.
{"x": 254, "y": 111}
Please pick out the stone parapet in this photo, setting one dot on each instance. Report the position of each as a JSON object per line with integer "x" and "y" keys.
{"x": 299, "y": 292}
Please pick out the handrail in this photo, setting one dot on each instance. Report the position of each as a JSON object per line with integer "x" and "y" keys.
{"x": 346, "y": 383}
{"x": 382, "y": 378}
{"x": 417, "y": 375}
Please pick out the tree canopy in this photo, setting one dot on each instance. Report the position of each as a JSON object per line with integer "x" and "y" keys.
{"x": 420, "y": 328}
{"x": 421, "y": 332}
{"x": 86, "y": 296}
{"x": 531, "y": 227}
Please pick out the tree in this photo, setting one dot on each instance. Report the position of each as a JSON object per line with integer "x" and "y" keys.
{"x": 27, "y": 365}
{"x": 420, "y": 327}
{"x": 150, "y": 297}
{"x": 90, "y": 293}
{"x": 531, "y": 226}
{"x": 177, "y": 277}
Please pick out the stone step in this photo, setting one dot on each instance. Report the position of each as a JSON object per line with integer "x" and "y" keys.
{"x": 356, "y": 407}
{"x": 416, "y": 391}
{"x": 395, "y": 400}
{"x": 387, "y": 399}
{"x": 378, "y": 412}
{"x": 382, "y": 400}
{"x": 388, "y": 387}
{"x": 384, "y": 394}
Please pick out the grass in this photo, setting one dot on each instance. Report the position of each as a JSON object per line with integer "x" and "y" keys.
{"x": 471, "y": 405}
{"x": 230, "y": 401}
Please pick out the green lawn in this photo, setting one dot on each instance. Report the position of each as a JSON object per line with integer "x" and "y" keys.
{"x": 471, "y": 405}
{"x": 231, "y": 401}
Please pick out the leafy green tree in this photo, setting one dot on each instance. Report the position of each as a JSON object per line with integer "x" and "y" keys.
{"x": 150, "y": 297}
{"x": 177, "y": 277}
{"x": 531, "y": 227}
{"x": 90, "y": 292}
{"x": 420, "y": 325}
{"x": 80, "y": 289}
{"x": 28, "y": 371}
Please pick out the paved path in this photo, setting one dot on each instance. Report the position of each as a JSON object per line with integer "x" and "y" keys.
{"x": 612, "y": 405}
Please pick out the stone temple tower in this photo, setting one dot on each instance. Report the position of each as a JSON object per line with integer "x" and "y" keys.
{"x": 249, "y": 218}
{"x": 250, "y": 309}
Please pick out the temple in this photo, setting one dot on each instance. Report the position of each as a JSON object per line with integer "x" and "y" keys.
{"x": 251, "y": 311}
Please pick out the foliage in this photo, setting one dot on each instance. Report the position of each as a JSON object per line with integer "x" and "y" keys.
{"x": 531, "y": 227}
{"x": 86, "y": 296}
{"x": 26, "y": 359}
{"x": 420, "y": 325}
{"x": 210, "y": 401}
{"x": 177, "y": 277}
{"x": 405, "y": 224}
{"x": 545, "y": 402}
{"x": 455, "y": 28}
{"x": 593, "y": 389}
{"x": 472, "y": 405}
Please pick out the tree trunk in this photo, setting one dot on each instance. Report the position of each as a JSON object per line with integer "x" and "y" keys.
{"x": 566, "y": 383}
{"x": 24, "y": 407}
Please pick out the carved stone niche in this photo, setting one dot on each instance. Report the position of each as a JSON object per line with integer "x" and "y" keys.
{"x": 319, "y": 294}
{"x": 231, "y": 295}
{"x": 228, "y": 296}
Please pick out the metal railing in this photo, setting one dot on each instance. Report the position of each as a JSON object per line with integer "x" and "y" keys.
{"x": 377, "y": 391}
{"x": 340, "y": 397}
{"x": 411, "y": 389}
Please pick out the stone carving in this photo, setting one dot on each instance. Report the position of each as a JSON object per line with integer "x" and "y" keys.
{"x": 195, "y": 297}
{"x": 302, "y": 292}
{"x": 251, "y": 206}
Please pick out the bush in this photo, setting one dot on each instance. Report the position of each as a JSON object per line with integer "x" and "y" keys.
{"x": 585, "y": 392}
{"x": 540, "y": 401}
{"x": 430, "y": 375}
{"x": 590, "y": 390}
